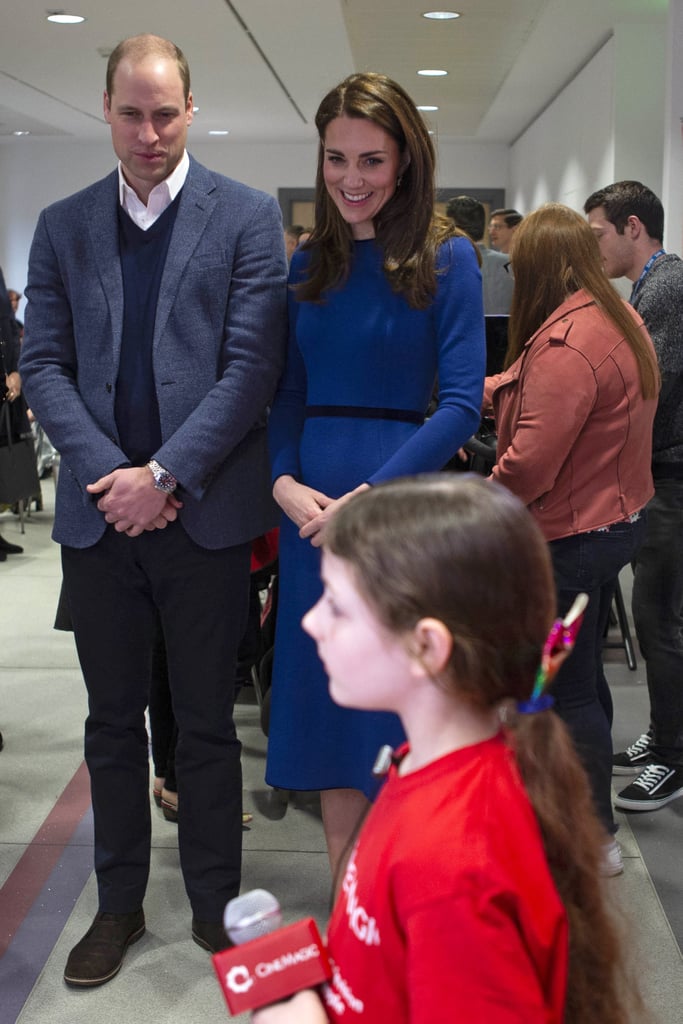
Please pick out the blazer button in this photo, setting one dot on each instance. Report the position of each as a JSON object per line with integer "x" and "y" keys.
{"x": 108, "y": 387}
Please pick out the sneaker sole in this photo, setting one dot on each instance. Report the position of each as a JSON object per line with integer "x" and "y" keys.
{"x": 94, "y": 982}
{"x": 611, "y": 870}
{"x": 636, "y": 769}
{"x": 647, "y": 804}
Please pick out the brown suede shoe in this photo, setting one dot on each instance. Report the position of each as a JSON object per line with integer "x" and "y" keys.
{"x": 210, "y": 935}
{"x": 97, "y": 958}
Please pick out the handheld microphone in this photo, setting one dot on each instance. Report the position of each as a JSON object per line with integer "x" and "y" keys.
{"x": 268, "y": 962}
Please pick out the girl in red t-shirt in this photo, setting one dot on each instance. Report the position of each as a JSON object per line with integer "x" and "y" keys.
{"x": 474, "y": 891}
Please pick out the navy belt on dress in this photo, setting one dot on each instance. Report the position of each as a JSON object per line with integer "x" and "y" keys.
{"x": 365, "y": 412}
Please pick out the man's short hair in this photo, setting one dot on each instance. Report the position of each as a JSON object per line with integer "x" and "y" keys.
{"x": 295, "y": 230}
{"x": 468, "y": 214}
{"x": 626, "y": 199}
{"x": 136, "y": 48}
{"x": 511, "y": 217}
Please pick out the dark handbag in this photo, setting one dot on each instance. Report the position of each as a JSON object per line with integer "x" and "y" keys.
{"x": 18, "y": 470}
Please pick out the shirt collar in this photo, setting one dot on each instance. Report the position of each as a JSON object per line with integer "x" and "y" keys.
{"x": 162, "y": 194}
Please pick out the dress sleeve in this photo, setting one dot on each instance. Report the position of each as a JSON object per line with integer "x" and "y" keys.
{"x": 287, "y": 413}
{"x": 458, "y": 322}
{"x": 469, "y": 960}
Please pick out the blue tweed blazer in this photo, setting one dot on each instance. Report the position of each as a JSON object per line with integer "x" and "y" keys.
{"x": 218, "y": 351}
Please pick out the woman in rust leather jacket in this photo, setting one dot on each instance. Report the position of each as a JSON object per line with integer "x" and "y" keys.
{"x": 574, "y": 410}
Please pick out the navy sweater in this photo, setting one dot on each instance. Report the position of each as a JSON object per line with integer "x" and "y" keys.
{"x": 143, "y": 255}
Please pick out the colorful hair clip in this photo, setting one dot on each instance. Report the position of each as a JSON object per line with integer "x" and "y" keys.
{"x": 560, "y": 640}
{"x": 541, "y": 703}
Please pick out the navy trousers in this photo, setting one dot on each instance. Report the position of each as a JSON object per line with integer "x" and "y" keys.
{"x": 590, "y": 562}
{"x": 658, "y": 617}
{"x": 115, "y": 590}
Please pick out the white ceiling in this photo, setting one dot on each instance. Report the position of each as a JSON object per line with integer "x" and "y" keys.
{"x": 260, "y": 67}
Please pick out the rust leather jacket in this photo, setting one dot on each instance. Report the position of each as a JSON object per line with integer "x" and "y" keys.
{"x": 574, "y": 431}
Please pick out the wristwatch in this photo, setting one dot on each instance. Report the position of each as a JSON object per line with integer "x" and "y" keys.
{"x": 163, "y": 480}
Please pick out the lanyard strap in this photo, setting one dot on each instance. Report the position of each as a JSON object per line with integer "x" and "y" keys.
{"x": 645, "y": 271}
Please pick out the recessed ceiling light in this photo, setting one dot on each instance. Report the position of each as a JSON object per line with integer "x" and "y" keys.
{"x": 441, "y": 15}
{"x": 223, "y": 132}
{"x": 61, "y": 18}
{"x": 195, "y": 110}
{"x": 427, "y": 106}
{"x": 21, "y": 133}
{"x": 432, "y": 72}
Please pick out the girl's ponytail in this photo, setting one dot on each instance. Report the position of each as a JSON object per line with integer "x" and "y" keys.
{"x": 574, "y": 841}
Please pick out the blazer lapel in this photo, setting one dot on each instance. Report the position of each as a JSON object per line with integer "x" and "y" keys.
{"x": 102, "y": 219}
{"x": 194, "y": 213}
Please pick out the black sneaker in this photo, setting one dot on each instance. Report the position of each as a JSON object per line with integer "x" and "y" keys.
{"x": 656, "y": 786}
{"x": 634, "y": 758}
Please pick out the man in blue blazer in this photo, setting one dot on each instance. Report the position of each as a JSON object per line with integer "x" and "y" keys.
{"x": 154, "y": 340}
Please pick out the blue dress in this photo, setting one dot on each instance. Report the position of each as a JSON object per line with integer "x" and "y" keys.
{"x": 364, "y": 346}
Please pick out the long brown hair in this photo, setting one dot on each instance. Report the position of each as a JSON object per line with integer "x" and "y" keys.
{"x": 554, "y": 254}
{"x": 467, "y": 552}
{"x": 406, "y": 228}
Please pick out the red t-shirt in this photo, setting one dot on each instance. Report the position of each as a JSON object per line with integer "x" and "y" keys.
{"x": 448, "y": 911}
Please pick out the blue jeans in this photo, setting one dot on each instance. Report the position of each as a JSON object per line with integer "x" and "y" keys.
{"x": 590, "y": 562}
{"x": 658, "y": 617}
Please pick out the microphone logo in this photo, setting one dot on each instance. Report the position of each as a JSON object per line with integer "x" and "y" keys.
{"x": 267, "y": 962}
{"x": 239, "y": 980}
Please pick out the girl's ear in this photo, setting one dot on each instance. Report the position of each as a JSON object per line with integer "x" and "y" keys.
{"x": 430, "y": 645}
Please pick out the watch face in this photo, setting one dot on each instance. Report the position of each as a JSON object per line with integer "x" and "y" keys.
{"x": 163, "y": 480}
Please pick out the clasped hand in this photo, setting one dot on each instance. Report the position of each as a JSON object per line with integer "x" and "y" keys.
{"x": 308, "y": 509}
{"x": 131, "y": 503}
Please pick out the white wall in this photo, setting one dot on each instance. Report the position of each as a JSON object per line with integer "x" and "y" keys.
{"x": 672, "y": 187}
{"x": 606, "y": 125}
{"x": 466, "y": 163}
{"x": 568, "y": 152}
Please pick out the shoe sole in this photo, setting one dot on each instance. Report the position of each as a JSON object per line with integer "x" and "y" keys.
{"x": 635, "y": 769}
{"x": 611, "y": 870}
{"x": 646, "y": 804}
{"x": 170, "y": 812}
{"x": 204, "y": 944}
{"x": 94, "y": 982}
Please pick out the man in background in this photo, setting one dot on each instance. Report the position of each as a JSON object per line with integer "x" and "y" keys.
{"x": 155, "y": 333}
{"x": 628, "y": 221}
{"x": 502, "y": 226}
{"x": 469, "y": 215}
{"x": 292, "y": 235}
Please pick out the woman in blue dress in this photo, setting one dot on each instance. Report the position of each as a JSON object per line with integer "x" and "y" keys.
{"x": 385, "y": 297}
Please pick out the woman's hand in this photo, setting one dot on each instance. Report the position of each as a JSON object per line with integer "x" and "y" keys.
{"x": 13, "y": 384}
{"x": 299, "y": 503}
{"x": 315, "y": 528}
{"x": 303, "y": 1008}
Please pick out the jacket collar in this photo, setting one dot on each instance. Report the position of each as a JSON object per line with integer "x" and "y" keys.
{"x": 577, "y": 300}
